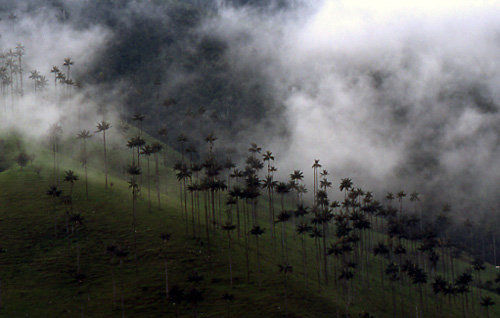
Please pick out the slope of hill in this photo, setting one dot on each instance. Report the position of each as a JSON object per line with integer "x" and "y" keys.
{"x": 73, "y": 256}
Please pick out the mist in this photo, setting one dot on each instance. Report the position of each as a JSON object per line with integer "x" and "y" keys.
{"x": 395, "y": 95}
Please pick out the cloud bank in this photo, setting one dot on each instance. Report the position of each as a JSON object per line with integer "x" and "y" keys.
{"x": 395, "y": 94}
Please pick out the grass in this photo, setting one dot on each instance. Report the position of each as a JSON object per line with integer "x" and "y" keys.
{"x": 38, "y": 271}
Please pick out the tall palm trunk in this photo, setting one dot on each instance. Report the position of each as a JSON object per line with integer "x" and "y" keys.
{"x": 238, "y": 218}
{"x": 149, "y": 186}
{"x": 245, "y": 231}
{"x": 85, "y": 168}
{"x": 258, "y": 261}
{"x": 166, "y": 272}
{"x": 54, "y": 150}
{"x": 134, "y": 221}
{"x": 271, "y": 216}
{"x": 286, "y": 294}
{"x": 192, "y": 211}
{"x": 212, "y": 200}
{"x": 304, "y": 260}
{"x": 105, "y": 160}
{"x": 157, "y": 180}
{"x": 318, "y": 259}
{"x": 55, "y": 217}
{"x": 166, "y": 173}
{"x": 185, "y": 205}
{"x": 283, "y": 242}
{"x": 230, "y": 259}
{"x": 325, "y": 259}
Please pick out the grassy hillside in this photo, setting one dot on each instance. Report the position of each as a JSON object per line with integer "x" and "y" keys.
{"x": 69, "y": 274}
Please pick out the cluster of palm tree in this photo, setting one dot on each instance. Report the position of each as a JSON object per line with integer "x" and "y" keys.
{"x": 340, "y": 242}
{"x": 39, "y": 81}
{"x": 350, "y": 237}
{"x": 12, "y": 66}
{"x": 73, "y": 219}
{"x": 11, "y": 74}
{"x": 64, "y": 78}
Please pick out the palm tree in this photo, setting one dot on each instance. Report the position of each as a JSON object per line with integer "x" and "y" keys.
{"x": 381, "y": 249}
{"x": 295, "y": 177}
{"x": 462, "y": 284}
{"x": 102, "y": 127}
{"x": 134, "y": 171}
{"x": 285, "y": 269}
{"x": 163, "y": 133}
{"x": 316, "y": 165}
{"x": 229, "y": 298}
{"x": 268, "y": 157}
{"x": 487, "y": 302}
{"x": 303, "y": 229}
{"x": 84, "y": 135}
{"x": 439, "y": 286}
{"x": 269, "y": 184}
{"x": 235, "y": 193}
{"x": 61, "y": 77}
{"x": 55, "y": 133}
{"x": 478, "y": 266}
{"x": 68, "y": 62}
{"x": 229, "y": 228}
{"x": 254, "y": 149}
{"x": 54, "y": 193}
{"x": 347, "y": 275}
{"x": 41, "y": 82}
{"x": 282, "y": 189}
{"x": 210, "y": 140}
{"x": 56, "y": 72}
{"x": 71, "y": 178}
{"x": 316, "y": 234}
{"x": 389, "y": 197}
{"x": 165, "y": 237}
{"x": 140, "y": 118}
{"x": 11, "y": 65}
{"x": 257, "y": 231}
{"x": 182, "y": 139}
{"x": 392, "y": 270}
{"x": 401, "y": 195}
{"x": 414, "y": 198}
{"x": 323, "y": 218}
{"x": 19, "y": 52}
{"x": 345, "y": 185}
{"x": 139, "y": 142}
{"x": 156, "y": 149}
{"x": 419, "y": 277}
{"x": 132, "y": 144}
{"x": 147, "y": 150}
{"x": 183, "y": 174}
{"x": 283, "y": 217}
{"x": 35, "y": 76}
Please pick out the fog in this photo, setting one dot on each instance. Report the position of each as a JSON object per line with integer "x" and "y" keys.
{"x": 397, "y": 95}
{"x": 394, "y": 94}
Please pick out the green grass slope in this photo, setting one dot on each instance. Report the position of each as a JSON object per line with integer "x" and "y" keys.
{"x": 38, "y": 271}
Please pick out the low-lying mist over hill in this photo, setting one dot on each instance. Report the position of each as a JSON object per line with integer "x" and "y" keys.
{"x": 394, "y": 95}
